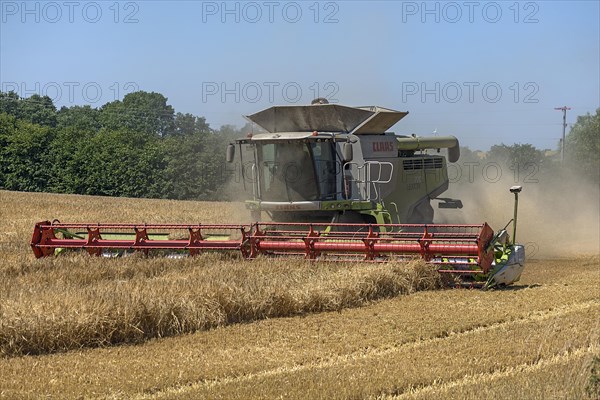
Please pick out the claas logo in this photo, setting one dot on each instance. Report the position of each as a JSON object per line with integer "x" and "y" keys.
{"x": 383, "y": 146}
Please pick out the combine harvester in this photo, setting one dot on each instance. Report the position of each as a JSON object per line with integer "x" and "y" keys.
{"x": 335, "y": 186}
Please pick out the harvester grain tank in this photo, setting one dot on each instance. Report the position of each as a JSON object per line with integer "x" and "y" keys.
{"x": 326, "y": 182}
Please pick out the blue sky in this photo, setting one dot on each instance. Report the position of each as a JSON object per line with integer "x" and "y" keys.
{"x": 486, "y": 72}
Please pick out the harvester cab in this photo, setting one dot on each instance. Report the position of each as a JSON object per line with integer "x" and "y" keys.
{"x": 333, "y": 163}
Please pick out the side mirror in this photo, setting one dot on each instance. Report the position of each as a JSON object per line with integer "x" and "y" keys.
{"x": 347, "y": 153}
{"x": 230, "y": 152}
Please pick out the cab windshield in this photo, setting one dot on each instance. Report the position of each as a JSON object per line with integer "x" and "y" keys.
{"x": 296, "y": 171}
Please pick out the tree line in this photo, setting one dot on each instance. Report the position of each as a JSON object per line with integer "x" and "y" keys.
{"x": 529, "y": 164}
{"x": 137, "y": 147}
{"x": 141, "y": 147}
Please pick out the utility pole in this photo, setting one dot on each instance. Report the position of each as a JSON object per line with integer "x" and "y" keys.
{"x": 562, "y": 142}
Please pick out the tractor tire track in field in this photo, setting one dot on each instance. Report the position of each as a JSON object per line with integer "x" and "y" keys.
{"x": 429, "y": 391}
{"x": 534, "y": 316}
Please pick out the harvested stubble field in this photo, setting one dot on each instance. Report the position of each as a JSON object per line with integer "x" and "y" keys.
{"x": 215, "y": 326}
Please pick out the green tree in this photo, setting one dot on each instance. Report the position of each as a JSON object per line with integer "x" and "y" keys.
{"x": 188, "y": 124}
{"x": 215, "y": 172}
{"x": 75, "y": 126}
{"x": 582, "y": 147}
{"x": 141, "y": 112}
{"x": 121, "y": 163}
{"x": 24, "y": 161}
{"x": 196, "y": 167}
{"x": 469, "y": 156}
{"x": 9, "y": 103}
{"x": 184, "y": 170}
{"x": 68, "y": 152}
{"x": 137, "y": 147}
{"x": 83, "y": 118}
{"x": 38, "y": 110}
{"x": 516, "y": 156}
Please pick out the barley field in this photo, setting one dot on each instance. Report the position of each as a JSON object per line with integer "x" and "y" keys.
{"x": 216, "y": 326}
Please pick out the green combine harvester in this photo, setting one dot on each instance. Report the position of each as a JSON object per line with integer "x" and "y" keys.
{"x": 328, "y": 182}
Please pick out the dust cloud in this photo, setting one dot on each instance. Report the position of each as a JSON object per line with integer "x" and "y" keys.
{"x": 558, "y": 214}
